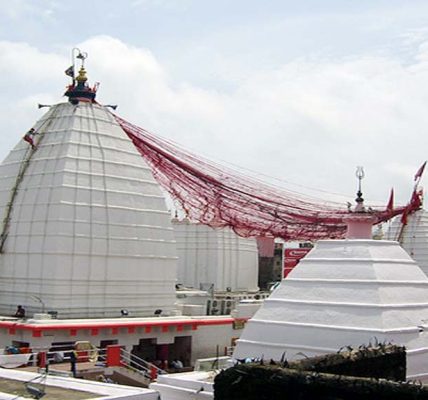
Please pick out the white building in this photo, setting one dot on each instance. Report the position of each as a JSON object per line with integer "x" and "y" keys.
{"x": 86, "y": 231}
{"x": 216, "y": 257}
{"x": 344, "y": 292}
{"x": 86, "y": 234}
{"x": 158, "y": 338}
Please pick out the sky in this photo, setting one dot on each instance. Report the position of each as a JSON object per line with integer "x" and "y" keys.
{"x": 298, "y": 92}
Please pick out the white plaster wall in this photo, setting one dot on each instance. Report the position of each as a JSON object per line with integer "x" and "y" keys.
{"x": 218, "y": 256}
{"x": 125, "y": 339}
{"x": 89, "y": 233}
{"x": 183, "y": 386}
{"x": 207, "y": 338}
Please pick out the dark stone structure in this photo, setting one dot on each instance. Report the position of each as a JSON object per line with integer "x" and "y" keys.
{"x": 370, "y": 373}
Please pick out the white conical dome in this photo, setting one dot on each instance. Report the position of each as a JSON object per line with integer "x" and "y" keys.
{"x": 89, "y": 233}
{"x": 344, "y": 292}
{"x": 413, "y": 237}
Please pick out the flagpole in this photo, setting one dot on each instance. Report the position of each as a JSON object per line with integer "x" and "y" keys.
{"x": 73, "y": 60}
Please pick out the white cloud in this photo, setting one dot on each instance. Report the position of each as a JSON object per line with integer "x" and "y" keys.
{"x": 26, "y": 64}
{"x": 305, "y": 121}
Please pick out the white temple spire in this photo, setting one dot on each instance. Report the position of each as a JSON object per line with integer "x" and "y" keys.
{"x": 88, "y": 231}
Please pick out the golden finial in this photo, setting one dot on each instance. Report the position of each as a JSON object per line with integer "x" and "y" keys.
{"x": 81, "y": 78}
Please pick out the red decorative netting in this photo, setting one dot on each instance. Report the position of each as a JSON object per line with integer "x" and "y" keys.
{"x": 221, "y": 197}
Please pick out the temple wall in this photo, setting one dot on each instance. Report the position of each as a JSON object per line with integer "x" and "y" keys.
{"x": 215, "y": 256}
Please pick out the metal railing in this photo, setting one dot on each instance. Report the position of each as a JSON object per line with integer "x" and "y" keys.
{"x": 60, "y": 356}
{"x": 140, "y": 366}
{"x": 102, "y": 355}
{"x": 128, "y": 360}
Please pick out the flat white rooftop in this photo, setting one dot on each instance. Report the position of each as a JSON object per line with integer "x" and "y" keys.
{"x": 37, "y": 327}
{"x": 70, "y": 387}
{"x": 113, "y": 321}
{"x": 198, "y": 385}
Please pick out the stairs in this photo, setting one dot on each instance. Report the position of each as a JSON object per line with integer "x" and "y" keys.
{"x": 127, "y": 376}
{"x": 133, "y": 370}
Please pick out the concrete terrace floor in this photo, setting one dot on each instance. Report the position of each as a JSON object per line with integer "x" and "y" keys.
{"x": 17, "y": 388}
{"x": 62, "y": 386}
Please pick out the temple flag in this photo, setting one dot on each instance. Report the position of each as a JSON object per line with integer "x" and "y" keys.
{"x": 420, "y": 171}
{"x": 70, "y": 71}
{"x": 416, "y": 200}
{"x": 404, "y": 218}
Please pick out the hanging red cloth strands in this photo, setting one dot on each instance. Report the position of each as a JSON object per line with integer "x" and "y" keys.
{"x": 217, "y": 196}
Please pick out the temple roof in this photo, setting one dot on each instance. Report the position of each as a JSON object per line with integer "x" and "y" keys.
{"x": 89, "y": 232}
{"x": 344, "y": 292}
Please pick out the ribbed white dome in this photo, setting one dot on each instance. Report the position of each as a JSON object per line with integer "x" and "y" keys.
{"x": 344, "y": 292}
{"x": 413, "y": 238}
{"x": 215, "y": 256}
{"x": 89, "y": 231}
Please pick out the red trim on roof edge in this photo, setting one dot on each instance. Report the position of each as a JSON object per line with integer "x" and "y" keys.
{"x": 114, "y": 326}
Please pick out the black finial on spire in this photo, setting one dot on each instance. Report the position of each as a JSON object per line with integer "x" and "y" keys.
{"x": 360, "y": 175}
{"x": 359, "y": 200}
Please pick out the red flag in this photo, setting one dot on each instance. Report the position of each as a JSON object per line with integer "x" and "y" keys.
{"x": 404, "y": 217}
{"x": 390, "y": 205}
{"x": 420, "y": 171}
{"x": 416, "y": 200}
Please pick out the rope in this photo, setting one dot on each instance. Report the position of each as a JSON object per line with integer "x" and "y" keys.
{"x": 217, "y": 196}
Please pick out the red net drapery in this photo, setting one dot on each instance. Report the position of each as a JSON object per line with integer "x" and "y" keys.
{"x": 220, "y": 197}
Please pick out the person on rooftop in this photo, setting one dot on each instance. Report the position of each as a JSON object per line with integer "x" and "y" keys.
{"x": 29, "y": 137}
{"x": 20, "y": 312}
